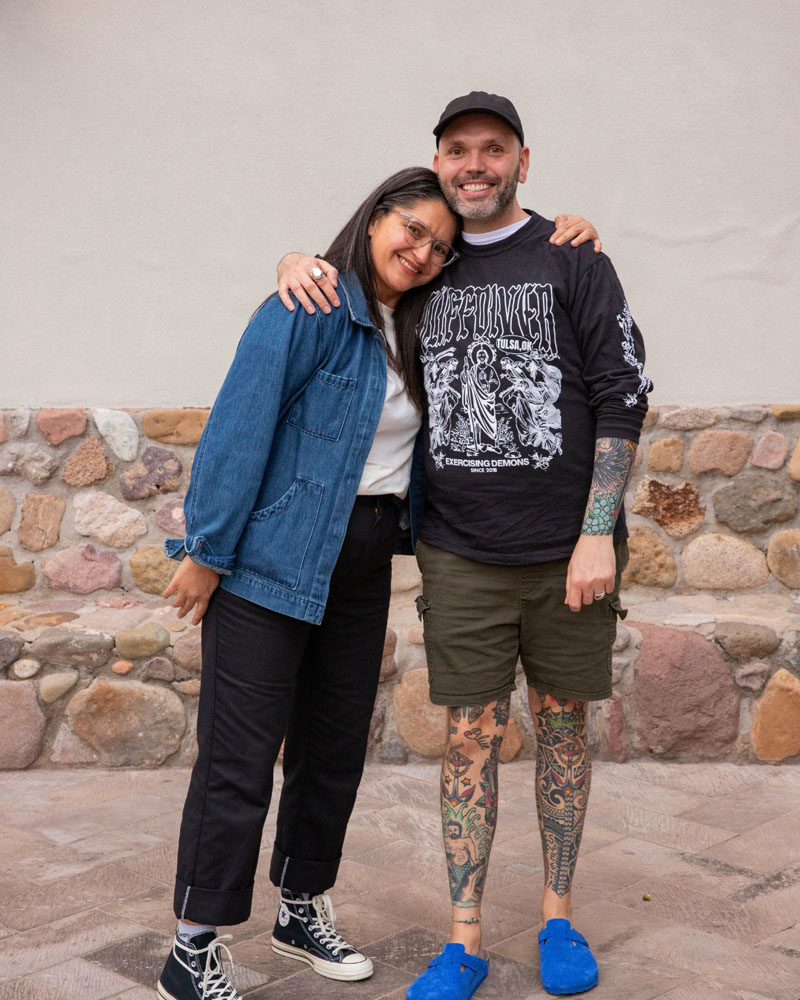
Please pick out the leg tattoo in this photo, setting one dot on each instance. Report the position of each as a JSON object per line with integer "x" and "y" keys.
{"x": 470, "y": 765}
{"x": 563, "y": 779}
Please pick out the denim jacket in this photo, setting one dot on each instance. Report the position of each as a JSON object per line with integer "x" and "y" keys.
{"x": 277, "y": 470}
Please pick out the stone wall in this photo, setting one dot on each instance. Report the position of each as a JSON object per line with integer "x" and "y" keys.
{"x": 96, "y": 668}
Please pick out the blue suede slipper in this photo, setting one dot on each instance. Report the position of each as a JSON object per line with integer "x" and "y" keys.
{"x": 565, "y": 962}
{"x": 444, "y": 980}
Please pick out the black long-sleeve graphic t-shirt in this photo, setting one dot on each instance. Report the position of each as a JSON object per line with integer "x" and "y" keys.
{"x": 530, "y": 353}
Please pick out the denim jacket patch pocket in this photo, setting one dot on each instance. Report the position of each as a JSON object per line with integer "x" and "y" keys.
{"x": 322, "y": 409}
{"x": 275, "y": 540}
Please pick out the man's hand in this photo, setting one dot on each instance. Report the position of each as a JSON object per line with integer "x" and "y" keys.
{"x": 192, "y": 585}
{"x": 592, "y": 570}
{"x": 294, "y": 275}
{"x": 577, "y": 229}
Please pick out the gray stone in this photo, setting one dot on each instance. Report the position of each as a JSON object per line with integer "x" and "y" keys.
{"x": 158, "y": 669}
{"x": 53, "y": 686}
{"x": 30, "y": 461}
{"x": 752, "y": 675}
{"x": 22, "y": 725}
{"x": 67, "y": 648}
{"x": 689, "y": 418}
{"x": 754, "y": 501}
{"x": 392, "y": 752}
{"x": 146, "y": 640}
{"x": 744, "y": 641}
{"x": 170, "y": 518}
{"x": 17, "y": 422}
{"x": 128, "y": 723}
{"x": 10, "y": 648}
{"x": 119, "y": 431}
{"x": 25, "y": 669}
{"x": 749, "y": 414}
{"x": 622, "y": 638}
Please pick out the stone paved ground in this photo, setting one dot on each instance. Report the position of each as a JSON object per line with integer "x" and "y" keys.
{"x": 87, "y": 858}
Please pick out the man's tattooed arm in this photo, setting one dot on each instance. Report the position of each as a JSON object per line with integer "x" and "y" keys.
{"x": 613, "y": 463}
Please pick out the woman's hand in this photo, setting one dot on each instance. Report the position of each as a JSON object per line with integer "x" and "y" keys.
{"x": 294, "y": 275}
{"x": 192, "y": 585}
{"x": 577, "y": 229}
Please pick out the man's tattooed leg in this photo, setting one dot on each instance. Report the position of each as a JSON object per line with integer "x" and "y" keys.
{"x": 563, "y": 779}
{"x": 469, "y": 790}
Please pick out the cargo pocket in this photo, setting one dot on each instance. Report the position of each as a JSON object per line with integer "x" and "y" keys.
{"x": 615, "y": 612}
{"x": 423, "y": 612}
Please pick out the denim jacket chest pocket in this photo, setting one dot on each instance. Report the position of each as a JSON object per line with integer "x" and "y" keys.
{"x": 322, "y": 409}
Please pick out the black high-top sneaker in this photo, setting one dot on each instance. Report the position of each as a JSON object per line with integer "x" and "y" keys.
{"x": 193, "y": 970}
{"x": 304, "y": 930}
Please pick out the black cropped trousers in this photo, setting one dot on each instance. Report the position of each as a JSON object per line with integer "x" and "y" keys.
{"x": 266, "y": 677}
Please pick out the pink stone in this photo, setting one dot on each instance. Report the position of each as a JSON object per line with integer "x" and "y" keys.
{"x": 770, "y": 452}
{"x": 719, "y": 451}
{"x": 752, "y": 675}
{"x": 117, "y": 603}
{"x": 58, "y": 425}
{"x": 22, "y": 724}
{"x": 82, "y": 570}
{"x": 187, "y": 651}
{"x": 684, "y": 701}
{"x": 170, "y": 518}
{"x": 190, "y": 688}
{"x": 122, "y": 667}
{"x": 388, "y": 665}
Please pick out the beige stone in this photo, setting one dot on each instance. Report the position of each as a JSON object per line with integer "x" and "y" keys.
{"x": 8, "y": 507}
{"x": 145, "y": 640}
{"x": 53, "y": 686}
{"x": 58, "y": 425}
{"x": 666, "y": 455}
{"x": 87, "y": 465}
{"x": 512, "y": 742}
{"x": 783, "y": 557}
{"x": 22, "y": 724}
{"x": 775, "y": 733}
{"x": 719, "y": 451}
{"x": 651, "y": 417}
{"x": 689, "y": 418}
{"x": 3, "y": 430}
{"x": 786, "y": 411}
{"x": 23, "y": 669}
{"x": 188, "y": 651}
{"x": 794, "y": 462}
{"x": 175, "y": 426}
{"x": 14, "y": 577}
{"x": 151, "y": 569}
{"x": 388, "y": 662}
{"x": 190, "y": 688}
{"x": 128, "y": 723}
{"x": 722, "y": 562}
{"x": 40, "y": 525}
{"x": 676, "y": 508}
{"x": 102, "y": 516}
{"x": 405, "y": 574}
{"x": 421, "y": 724}
{"x": 49, "y": 619}
{"x": 770, "y": 452}
{"x": 651, "y": 561}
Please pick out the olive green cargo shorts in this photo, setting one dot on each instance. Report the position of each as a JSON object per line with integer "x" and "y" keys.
{"x": 480, "y": 619}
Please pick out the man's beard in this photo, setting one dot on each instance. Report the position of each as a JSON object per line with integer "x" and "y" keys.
{"x": 504, "y": 195}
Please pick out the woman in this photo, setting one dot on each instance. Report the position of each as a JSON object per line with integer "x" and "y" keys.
{"x": 292, "y": 518}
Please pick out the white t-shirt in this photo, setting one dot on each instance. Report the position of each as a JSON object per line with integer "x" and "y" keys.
{"x": 388, "y": 467}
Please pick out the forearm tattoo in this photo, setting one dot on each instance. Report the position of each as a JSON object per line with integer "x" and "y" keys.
{"x": 613, "y": 462}
{"x": 563, "y": 778}
{"x": 469, "y": 797}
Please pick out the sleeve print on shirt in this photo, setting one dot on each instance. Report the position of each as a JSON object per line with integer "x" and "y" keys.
{"x": 625, "y": 321}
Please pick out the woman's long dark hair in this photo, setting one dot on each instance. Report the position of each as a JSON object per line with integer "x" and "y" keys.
{"x": 351, "y": 251}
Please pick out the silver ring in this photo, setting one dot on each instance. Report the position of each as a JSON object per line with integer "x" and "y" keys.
{"x": 599, "y": 597}
{"x": 317, "y": 273}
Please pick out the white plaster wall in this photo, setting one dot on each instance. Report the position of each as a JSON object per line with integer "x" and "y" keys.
{"x": 160, "y": 155}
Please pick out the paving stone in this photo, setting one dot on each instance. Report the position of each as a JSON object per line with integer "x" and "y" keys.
{"x": 744, "y": 641}
{"x": 676, "y": 508}
{"x": 53, "y": 686}
{"x": 783, "y": 557}
{"x": 22, "y": 724}
{"x": 128, "y": 723}
{"x": 67, "y": 648}
{"x": 158, "y": 471}
{"x": 145, "y": 640}
{"x": 742, "y": 810}
{"x": 88, "y": 465}
{"x": 82, "y": 570}
{"x": 775, "y": 734}
{"x": 722, "y": 562}
{"x": 8, "y": 507}
{"x": 31, "y": 461}
{"x": 422, "y": 725}
{"x": 770, "y": 451}
{"x": 107, "y": 519}
{"x": 651, "y": 562}
{"x": 58, "y": 425}
{"x": 119, "y": 431}
{"x": 151, "y": 569}
{"x": 754, "y": 501}
{"x": 768, "y": 848}
{"x": 175, "y": 426}
{"x": 689, "y": 418}
{"x": 15, "y": 577}
{"x": 665, "y": 455}
{"x": 170, "y": 518}
{"x": 10, "y": 649}
{"x": 40, "y": 524}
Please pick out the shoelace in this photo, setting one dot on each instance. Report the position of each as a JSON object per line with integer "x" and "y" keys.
{"x": 215, "y": 984}
{"x": 321, "y": 924}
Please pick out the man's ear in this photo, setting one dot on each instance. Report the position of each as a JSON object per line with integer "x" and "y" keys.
{"x": 436, "y": 162}
{"x": 524, "y": 164}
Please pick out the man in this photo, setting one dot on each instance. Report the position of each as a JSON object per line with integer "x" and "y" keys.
{"x": 522, "y": 541}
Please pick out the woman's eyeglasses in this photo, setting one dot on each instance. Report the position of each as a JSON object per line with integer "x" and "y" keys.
{"x": 418, "y": 235}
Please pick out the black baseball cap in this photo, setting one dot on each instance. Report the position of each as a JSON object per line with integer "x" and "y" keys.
{"x": 481, "y": 102}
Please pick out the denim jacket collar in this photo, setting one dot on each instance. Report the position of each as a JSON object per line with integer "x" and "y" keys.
{"x": 356, "y": 303}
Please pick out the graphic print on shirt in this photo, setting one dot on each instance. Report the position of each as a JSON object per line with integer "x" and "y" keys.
{"x": 625, "y": 321}
{"x": 492, "y": 389}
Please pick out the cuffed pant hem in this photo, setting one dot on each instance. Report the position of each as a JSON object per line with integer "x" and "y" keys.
{"x": 211, "y": 906}
{"x": 300, "y": 875}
